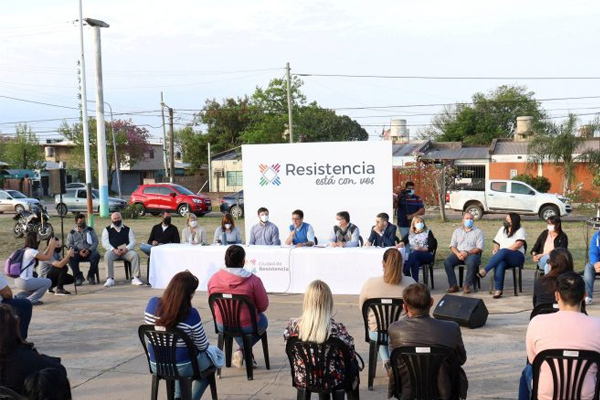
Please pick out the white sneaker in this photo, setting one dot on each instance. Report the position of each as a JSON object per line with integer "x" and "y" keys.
{"x": 136, "y": 281}
{"x": 588, "y": 301}
{"x": 109, "y": 282}
{"x": 238, "y": 359}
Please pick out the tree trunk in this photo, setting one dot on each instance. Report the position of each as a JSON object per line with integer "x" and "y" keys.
{"x": 442, "y": 194}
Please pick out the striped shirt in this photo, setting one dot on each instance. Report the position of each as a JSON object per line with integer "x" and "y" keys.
{"x": 191, "y": 325}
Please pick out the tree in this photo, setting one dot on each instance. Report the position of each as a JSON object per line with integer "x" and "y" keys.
{"x": 557, "y": 143}
{"x": 490, "y": 116}
{"x": 592, "y": 156}
{"x": 226, "y": 121}
{"x": 194, "y": 147}
{"x": 539, "y": 183}
{"x": 24, "y": 150}
{"x": 316, "y": 124}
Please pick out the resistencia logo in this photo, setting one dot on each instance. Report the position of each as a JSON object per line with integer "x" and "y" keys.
{"x": 270, "y": 174}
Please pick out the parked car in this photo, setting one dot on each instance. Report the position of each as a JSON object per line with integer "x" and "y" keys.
{"x": 75, "y": 200}
{"x": 504, "y": 196}
{"x": 13, "y": 200}
{"x": 233, "y": 204}
{"x": 75, "y": 185}
{"x": 157, "y": 197}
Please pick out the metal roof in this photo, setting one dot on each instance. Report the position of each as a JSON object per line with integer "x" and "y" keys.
{"x": 407, "y": 149}
{"x": 510, "y": 148}
{"x": 464, "y": 153}
{"x": 228, "y": 155}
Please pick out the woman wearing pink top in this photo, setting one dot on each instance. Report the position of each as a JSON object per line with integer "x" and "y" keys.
{"x": 234, "y": 279}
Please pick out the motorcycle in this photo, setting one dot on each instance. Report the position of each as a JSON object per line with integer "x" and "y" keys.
{"x": 34, "y": 220}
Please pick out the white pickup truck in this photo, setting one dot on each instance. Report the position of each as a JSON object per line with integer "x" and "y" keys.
{"x": 504, "y": 196}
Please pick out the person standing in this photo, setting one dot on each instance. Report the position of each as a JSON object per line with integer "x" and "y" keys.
{"x": 84, "y": 241}
{"x": 163, "y": 233}
{"x": 301, "y": 233}
{"x": 264, "y": 233}
{"x": 409, "y": 206}
{"x": 118, "y": 241}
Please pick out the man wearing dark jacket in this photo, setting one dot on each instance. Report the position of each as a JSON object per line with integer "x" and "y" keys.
{"x": 162, "y": 233}
{"x": 419, "y": 329}
{"x": 84, "y": 242}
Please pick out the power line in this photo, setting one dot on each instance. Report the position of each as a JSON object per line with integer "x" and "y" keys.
{"x": 424, "y": 77}
{"x": 38, "y": 102}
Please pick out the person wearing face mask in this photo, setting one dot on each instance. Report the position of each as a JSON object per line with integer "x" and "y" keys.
{"x": 84, "y": 240}
{"x": 466, "y": 246}
{"x": 344, "y": 234}
{"x": 193, "y": 233}
{"x": 55, "y": 270}
{"x": 264, "y": 233}
{"x": 422, "y": 245}
{"x": 383, "y": 234}
{"x": 509, "y": 250}
{"x": 33, "y": 288}
{"x": 301, "y": 233}
{"x": 162, "y": 233}
{"x": 119, "y": 242}
{"x": 551, "y": 238}
{"x": 409, "y": 206}
{"x": 227, "y": 228}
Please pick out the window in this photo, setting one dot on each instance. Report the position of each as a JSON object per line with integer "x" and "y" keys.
{"x": 235, "y": 178}
{"x": 513, "y": 173}
{"x": 151, "y": 153}
{"x": 518, "y": 188}
{"x": 165, "y": 191}
{"x": 151, "y": 190}
{"x": 81, "y": 194}
{"x": 499, "y": 187}
{"x": 3, "y": 195}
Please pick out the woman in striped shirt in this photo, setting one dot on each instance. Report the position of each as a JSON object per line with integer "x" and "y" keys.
{"x": 174, "y": 309}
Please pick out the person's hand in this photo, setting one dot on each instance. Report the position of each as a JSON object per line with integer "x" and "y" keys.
{"x": 300, "y": 245}
{"x": 155, "y": 243}
{"x": 461, "y": 256}
{"x": 117, "y": 252}
{"x": 537, "y": 257}
{"x": 71, "y": 253}
{"x": 401, "y": 244}
{"x": 367, "y": 244}
{"x": 597, "y": 267}
{"x": 494, "y": 251}
{"x": 81, "y": 253}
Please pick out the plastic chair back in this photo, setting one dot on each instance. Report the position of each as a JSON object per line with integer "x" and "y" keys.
{"x": 544, "y": 308}
{"x": 385, "y": 311}
{"x": 230, "y": 308}
{"x": 8, "y": 394}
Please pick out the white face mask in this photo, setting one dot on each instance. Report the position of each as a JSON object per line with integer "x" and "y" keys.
{"x": 227, "y": 226}
{"x": 193, "y": 224}
{"x": 264, "y": 218}
{"x": 551, "y": 228}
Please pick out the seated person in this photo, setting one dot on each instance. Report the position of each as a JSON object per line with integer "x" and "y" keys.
{"x": 162, "y": 233}
{"x": 508, "y": 251}
{"x": 54, "y": 269}
{"x": 234, "y": 279}
{"x": 592, "y": 268}
{"x": 383, "y": 234}
{"x": 47, "y": 384}
{"x": 118, "y": 241}
{"x": 568, "y": 328}
{"x": 174, "y": 310}
{"x": 390, "y": 285}
{"x": 344, "y": 234}
{"x": 466, "y": 245}
{"x": 18, "y": 359}
{"x": 32, "y": 287}
{"x": 22, "y": 307}
{"x": 316, "y": 324}
{"x": 301, "y": 233}
{"x": 264, "y": 233}
{"x": 551, "y": 238}
{"x": 193, "y": 233}
{"x": 84, "y": 240}
{"x": 422, "y": 244}
{"x": 232, "y": 232}
{"x": 419, "y": 329}
{"x": 560, "y": 261}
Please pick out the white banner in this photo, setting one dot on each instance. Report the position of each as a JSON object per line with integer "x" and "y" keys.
{"x": 320, "y": 179}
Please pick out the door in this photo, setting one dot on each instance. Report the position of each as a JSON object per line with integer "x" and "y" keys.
{"x": 80, "y": 203}
{"x": 522, "y": 197}
{"x": 167, "y": 198}
{"x": 5, "y": 204}
{"x": 152, "y": 197}
{"x": 497, "y": 197}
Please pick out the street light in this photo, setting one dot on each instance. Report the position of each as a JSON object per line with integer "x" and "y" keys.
{"x": 101, "y": 129}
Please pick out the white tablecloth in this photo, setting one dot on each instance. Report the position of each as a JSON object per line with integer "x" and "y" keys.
{"x": 282, "y": 269}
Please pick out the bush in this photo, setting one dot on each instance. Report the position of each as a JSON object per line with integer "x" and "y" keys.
{"x": 539, "y": 183}
{"x": 132, "y": 211}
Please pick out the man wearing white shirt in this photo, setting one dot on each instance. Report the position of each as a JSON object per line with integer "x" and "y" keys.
{"x": 118, "y": 241}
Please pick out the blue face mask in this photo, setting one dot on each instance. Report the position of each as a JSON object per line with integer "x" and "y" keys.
{"x": 411, "y": 192}
{"x": 469, "y": 223}
{"x": 419, "y": 226}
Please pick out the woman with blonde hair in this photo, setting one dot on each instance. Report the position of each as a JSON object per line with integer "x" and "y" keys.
{"x": 316, "y": 324}
{"x": 422, "y": 244}
{"x": 390, "y": 285}
{"x": 193, "y": 233}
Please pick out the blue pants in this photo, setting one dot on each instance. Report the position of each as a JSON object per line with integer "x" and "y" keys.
{"x": 199, "y": 386}
{"x": 414, "y": 262}
{"x": 589, "y": 275}
{"x": 146, "y": 248}
{"x": 384, "y": 351}
{"x": 543, "y": 264}
{"x": 525, "y": 383}
{"x": 502, "y": 259}
{"x": 262, "y": 323}
{"x": 472, "y": 262}
{"x": 23, "y": 309}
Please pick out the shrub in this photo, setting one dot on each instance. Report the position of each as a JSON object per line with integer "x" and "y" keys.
{"x": 132, "y": 211}
{"x": 539, "y": 183}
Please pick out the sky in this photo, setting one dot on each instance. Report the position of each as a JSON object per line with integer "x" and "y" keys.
{"x": 192, "y": 50}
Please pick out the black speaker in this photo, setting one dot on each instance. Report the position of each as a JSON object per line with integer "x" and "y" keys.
{"x": 466, "y": 311}
{"x": 58, "y": 181}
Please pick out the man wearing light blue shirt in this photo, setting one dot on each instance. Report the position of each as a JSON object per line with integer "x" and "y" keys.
{"x": 264, "y": 233}
{"x": 301, "y": 233}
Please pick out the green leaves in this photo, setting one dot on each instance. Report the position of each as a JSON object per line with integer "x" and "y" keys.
{"x": 23, "y": 151}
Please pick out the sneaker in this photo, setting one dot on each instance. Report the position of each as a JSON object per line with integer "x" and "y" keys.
{"x": 91, "y": 280}
{"x": 61, "y": 292}
{"x": 79, "y": 281}
{"x": 136, "y": 281}
{"x": 588, "y": 301}
{"x": 38, "y": 303}
{"x": 238, "y": 359}
{"x": 51, "y": 290}
{"x": 109, "y": 282}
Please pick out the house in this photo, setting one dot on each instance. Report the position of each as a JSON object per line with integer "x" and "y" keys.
{"x": 226, "y": 169}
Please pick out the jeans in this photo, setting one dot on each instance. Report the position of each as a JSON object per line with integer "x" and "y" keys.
{"x": 525, "y": 383}
{"x": 199, "y": 386}
{"x": 262, "y": 323}
{"x": 403, "y": 232}
{"x": 33, "y": 289}
{"x": 23, "y": 309}
{"x": 384, "y": 350}
{"x": 472, "y": 262}
{"x": 502, "y": 259}
{"x": 589, "y": 275}
{"x": 94, "y": 259}
{"x": 59, "y": 277}
{"x": 414, "y": 262}
{"x": 543, "y": 264}
{"x": 146, "y": 248}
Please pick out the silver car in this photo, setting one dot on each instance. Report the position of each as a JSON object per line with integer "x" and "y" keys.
{"x": 13, "y": 200}
{"x": 75, "y": 200}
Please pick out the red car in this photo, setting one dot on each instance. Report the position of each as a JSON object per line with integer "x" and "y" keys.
{"x": 158, "y": 197}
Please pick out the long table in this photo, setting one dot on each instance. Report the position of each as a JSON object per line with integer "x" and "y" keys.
{"x": 282, "y": 269}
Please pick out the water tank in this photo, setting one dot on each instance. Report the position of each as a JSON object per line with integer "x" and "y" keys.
{"x": 398, "y": 128}
{"x": 524, "y": 128}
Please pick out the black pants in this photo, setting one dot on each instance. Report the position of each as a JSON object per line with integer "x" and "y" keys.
{"x": 93, "y": 258}
{"x": 60, "y": 277}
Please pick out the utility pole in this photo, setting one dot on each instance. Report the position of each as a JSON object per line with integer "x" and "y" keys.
{"x": 171, "y": 146}
{"x": 209, "y": 170}
{"x": 84, "y": 125}
{"x": 164, "y": 126}
{"x": 289, "y": 101}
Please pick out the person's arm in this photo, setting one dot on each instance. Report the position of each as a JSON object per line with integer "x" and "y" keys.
{"x": 105, "y": 242}
{"x": 460, "y": 347}
{"x": 94, "y": 236}
{"x": 354, "y": 240}
{"x": 594, "y": 250}
{"x": 261, "y": 299}
{"x": 47, "y": 255}
{"x": 332, "y": 238}
{"x": 238, "y": 235}
{"x": 152, "y": 236}
{"x": 131, "y": 244}
{"x": 290, "y": 239}
{"x": 217, "y": 235}
{"x": 371, "y": 238}
{"x": 275, "y": 236}
{"x": 252, "y": 236}
{"x": 5, "y": 291}
{"x": 389, "y": 237}
{"x": 176, "y": 238}
{"x": 202, "y": 236}
{"x": 363, "y": 296}
{"x": 198, "y": 335}
{"x": 564, "y": 243}
{"x": 420, "y": 211}
{"x": 70, "y": 240}
{"x": 538, "y": 247}
{"x": 64, "y": 261}
{"x": 530, "y": 340}
{"x": 480, "y": 243}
